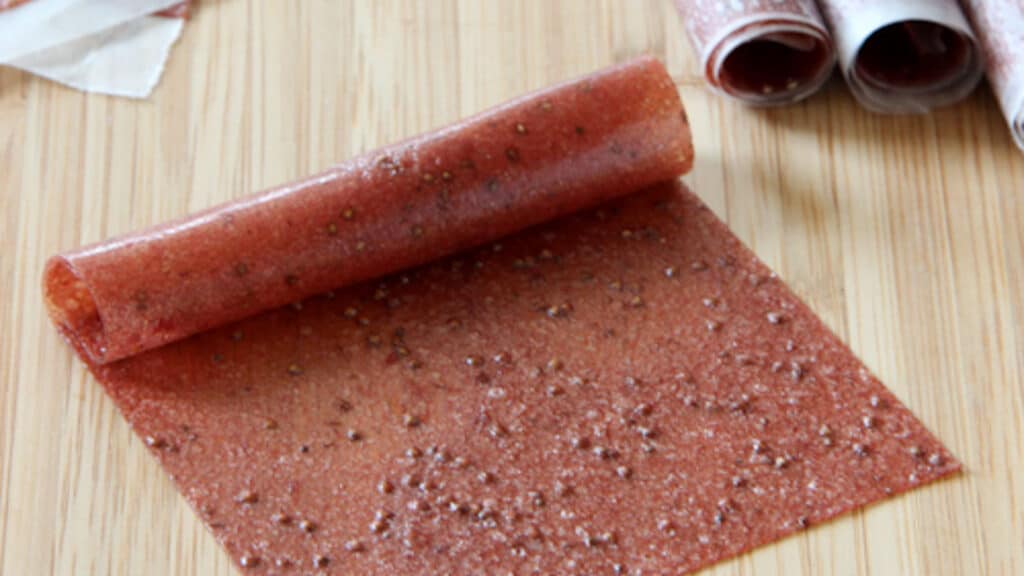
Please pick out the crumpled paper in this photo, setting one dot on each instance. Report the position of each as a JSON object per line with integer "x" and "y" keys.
{"x": 106, "y": 46}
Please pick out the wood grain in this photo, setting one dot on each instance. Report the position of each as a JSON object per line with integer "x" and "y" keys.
{"x": 906, "y": 234}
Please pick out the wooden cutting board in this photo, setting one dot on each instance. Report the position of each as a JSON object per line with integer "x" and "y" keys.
{"x": 905, "y": 233}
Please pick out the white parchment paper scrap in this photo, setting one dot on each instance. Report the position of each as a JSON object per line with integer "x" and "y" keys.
{"x": 105, "y": 46}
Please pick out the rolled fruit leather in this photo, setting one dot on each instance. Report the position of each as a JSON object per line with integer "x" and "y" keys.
{"x": 999, "y": 25}
{"x": 623, "y": 390}
{"x": 904, "y": 57}
{"x": 767, "y": 53}
{"x": 533, "y": 159}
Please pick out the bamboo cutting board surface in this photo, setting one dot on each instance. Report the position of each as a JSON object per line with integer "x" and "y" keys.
{"x": 906, "y": 234}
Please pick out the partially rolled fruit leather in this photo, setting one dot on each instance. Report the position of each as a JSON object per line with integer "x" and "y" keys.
{"x": 515, "y": 344}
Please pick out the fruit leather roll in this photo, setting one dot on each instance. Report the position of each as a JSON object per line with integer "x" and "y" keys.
{"x": 904, "y": 57}
{"x": 625, "y": 389}
{"x": 541, "y": 156}
{"x": 761, "y": 53}
{"x": 1000, "y": 28}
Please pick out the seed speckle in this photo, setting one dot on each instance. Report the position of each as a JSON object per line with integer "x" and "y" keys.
{"x": 562, "y": 489}
{"x": 157, "y": 443}
{"x": 354, "y": 546}
{"x": 796, "y": 371}
{"x": 247, "y": 497}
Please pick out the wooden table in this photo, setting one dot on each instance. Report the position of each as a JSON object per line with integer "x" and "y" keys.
{"x": 906, "y": 234}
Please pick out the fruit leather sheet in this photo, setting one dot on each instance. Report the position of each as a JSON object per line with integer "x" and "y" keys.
{"x": 513, "y": 345}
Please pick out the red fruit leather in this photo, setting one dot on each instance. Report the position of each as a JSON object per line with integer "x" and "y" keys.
{"x": 522, "y": 163}
{"x": 621, "y": 389}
